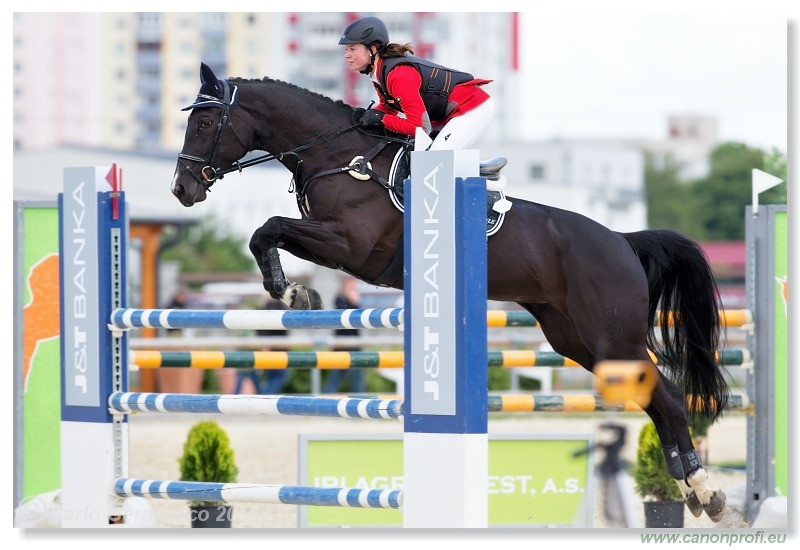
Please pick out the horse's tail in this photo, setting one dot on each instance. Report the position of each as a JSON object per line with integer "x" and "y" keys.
{"x": 681, "y": 284}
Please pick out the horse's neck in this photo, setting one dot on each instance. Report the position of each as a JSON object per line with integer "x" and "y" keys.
{"x": 287, "y": 117}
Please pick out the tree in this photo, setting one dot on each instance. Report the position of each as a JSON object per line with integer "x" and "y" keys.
{"x": 724, "y": 194}
{"x": 210, "y": 247}
{"x": 669, "y": 203}
{"x": 775, "y": 164}
{"x": 712, "y": 208}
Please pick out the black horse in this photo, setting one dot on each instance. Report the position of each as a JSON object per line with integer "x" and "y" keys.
{"x": 595, "y": 292}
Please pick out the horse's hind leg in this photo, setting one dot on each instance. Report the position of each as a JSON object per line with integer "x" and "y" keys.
{"x": 561, "y": 334}
{"x": 667, "y": 409}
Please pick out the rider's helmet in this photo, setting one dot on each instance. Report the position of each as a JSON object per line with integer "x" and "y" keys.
{"x": 367, "y": 31}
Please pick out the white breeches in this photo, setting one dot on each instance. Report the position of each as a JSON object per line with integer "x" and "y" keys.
{"x": 465, "y": 130}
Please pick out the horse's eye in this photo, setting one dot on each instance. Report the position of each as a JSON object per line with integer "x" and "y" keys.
{"x": 205, "y": 123}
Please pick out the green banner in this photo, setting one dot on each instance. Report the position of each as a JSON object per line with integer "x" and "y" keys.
{"x": 781, "y": 311}
{"x": 533, "y": 480}
{"x": 41, "y": 358}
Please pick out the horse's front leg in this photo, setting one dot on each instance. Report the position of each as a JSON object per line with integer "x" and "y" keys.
{"x": 309, "y": 240}
{"x": 264, "y": 247}
{"x": 294, "y": 295}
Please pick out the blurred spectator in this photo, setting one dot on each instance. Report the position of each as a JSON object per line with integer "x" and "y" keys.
{"x": 266, "y": 381}
{"x": 178, "y": 379}
{"x": 179, "y": 300}
{"x": 347, "y": 298}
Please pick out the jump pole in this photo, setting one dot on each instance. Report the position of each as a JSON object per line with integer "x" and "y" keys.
{"x": 445, "y": 439}
{"x": 94, "y": 444}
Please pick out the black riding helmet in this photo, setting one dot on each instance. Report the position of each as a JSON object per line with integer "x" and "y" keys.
{"x": 367, "y": 31}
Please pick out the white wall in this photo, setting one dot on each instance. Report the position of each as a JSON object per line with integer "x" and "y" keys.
{"x": 604, "y": 181}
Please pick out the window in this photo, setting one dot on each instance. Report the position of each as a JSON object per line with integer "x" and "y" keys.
{"x": 148, "y": 46}
{"x": 150, "y": 20}
{"x": 537, "y": 171}
{"x": 213, "y": 20}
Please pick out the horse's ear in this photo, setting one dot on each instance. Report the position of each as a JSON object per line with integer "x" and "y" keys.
{"x": 210, "y": 88}
{"x": 206, "y": 74}
{"x": 210, "y": 83}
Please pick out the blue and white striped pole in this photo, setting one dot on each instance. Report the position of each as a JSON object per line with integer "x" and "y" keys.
{"x": 251, "y": 492}
{"x": 445, "y": 441}
{"x": 257, "y": 319}
{"x": 270, "y": 405}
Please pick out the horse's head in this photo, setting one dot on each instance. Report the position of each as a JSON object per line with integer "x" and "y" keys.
{"x": 211, "y": 146}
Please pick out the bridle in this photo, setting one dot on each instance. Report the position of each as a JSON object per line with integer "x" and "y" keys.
{"x": 209, "y": 174}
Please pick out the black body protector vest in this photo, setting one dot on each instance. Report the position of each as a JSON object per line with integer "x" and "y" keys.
{"x": 437, "y": 83}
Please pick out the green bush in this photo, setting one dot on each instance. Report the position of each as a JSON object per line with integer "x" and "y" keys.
{"x": 650, "y": 472}
{"x": 208, "y": 456}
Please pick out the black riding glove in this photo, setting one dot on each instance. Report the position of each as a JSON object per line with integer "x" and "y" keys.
{"x": 371, "y": 117}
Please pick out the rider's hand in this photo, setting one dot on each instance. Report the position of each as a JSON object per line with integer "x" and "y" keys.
{"x": 371, "y": 117}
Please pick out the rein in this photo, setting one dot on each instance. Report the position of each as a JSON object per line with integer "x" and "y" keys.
{"x": 238, "y": 166}
{"x": 209, "y": 174}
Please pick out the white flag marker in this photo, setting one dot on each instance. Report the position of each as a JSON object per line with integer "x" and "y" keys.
{"x": 761, "y": 182}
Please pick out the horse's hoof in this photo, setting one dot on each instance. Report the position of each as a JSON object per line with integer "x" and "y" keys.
{"x": 304, "y": 298}
{"x": 693, "y": 504}
{"x": 715, "y": 508}
{"x": 314, "y": 299}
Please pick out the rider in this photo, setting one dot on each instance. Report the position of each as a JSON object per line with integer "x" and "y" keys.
{"x": 414, "y": 92}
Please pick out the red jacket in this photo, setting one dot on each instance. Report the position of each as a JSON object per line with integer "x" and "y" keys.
{"x": 403, "y": 82}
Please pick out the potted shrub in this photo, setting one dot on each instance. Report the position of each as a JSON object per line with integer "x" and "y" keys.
{"x": 699, "y": 428}
{"x": 663, "y": 504}
{"x": 208, "y": 456}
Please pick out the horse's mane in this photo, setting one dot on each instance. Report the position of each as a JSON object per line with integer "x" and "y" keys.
{"x": 266, "y": 79}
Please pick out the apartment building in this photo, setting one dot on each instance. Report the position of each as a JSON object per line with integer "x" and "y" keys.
{"x": 119, "y": 80}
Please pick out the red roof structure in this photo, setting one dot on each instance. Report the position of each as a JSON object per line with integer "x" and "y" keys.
{"x": 727, "y": 258}
{"x": 728, "y": 261}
